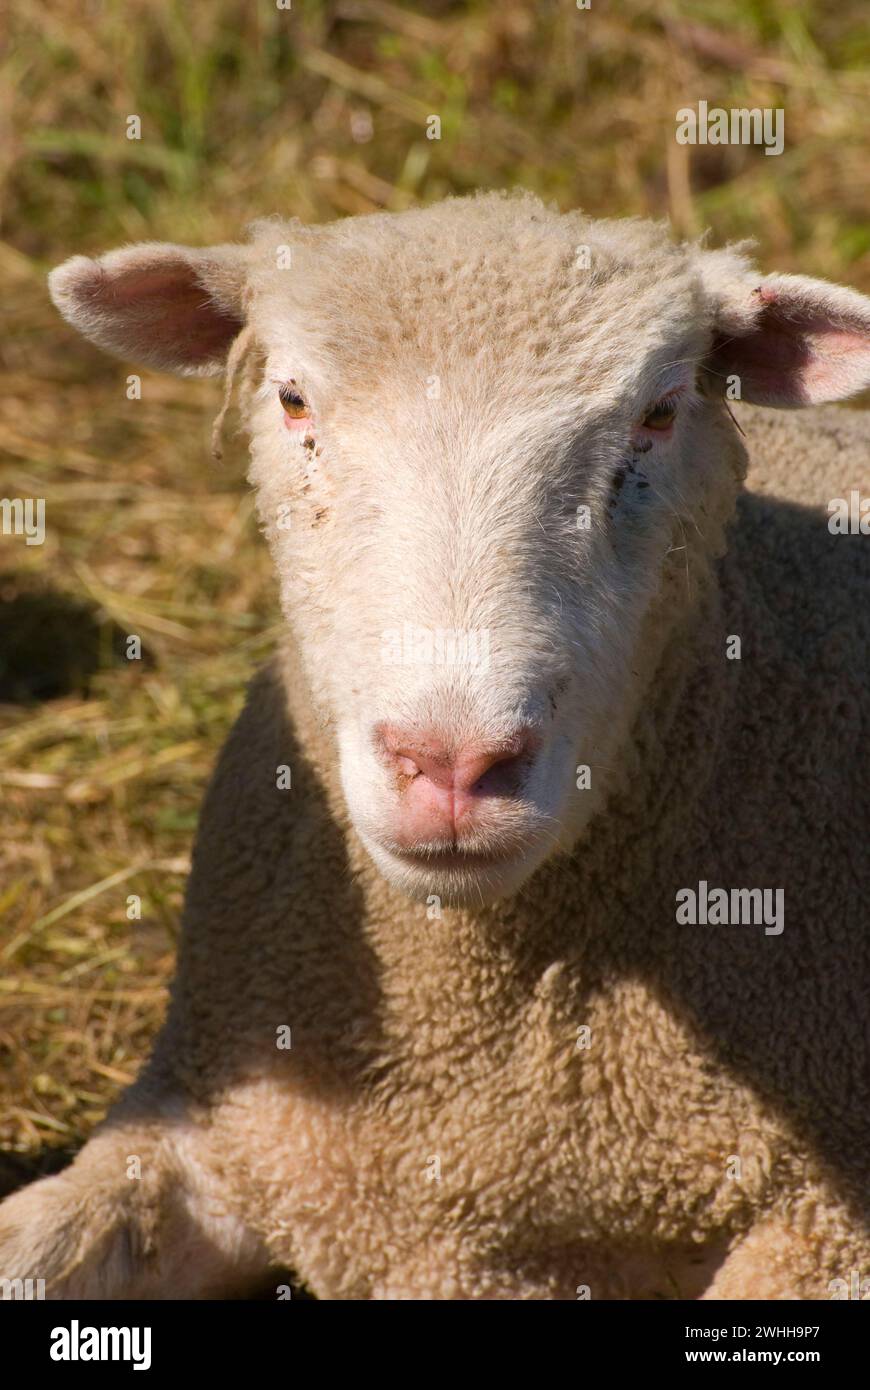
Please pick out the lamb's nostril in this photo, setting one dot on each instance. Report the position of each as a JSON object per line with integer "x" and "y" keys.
{"x": 407, "y": 765}
{"x": 474, "y": 768}
{"x": 488, "y": 773}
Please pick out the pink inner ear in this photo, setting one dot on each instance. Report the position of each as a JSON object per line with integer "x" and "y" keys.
{"x": 795, "y": 355}
{"x": 771, "y": 362}
{"x": 163, "y": 312}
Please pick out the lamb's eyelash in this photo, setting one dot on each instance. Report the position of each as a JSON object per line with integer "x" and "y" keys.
{"x": 685, "y": 396}
{"x": 672, "y": 397}
{"x": 266, "y": 389}
{"x": 287, "y": 383}
{"x": 682, "y": 398}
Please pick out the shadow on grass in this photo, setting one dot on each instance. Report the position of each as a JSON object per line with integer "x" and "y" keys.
{"x": 18, "y": 1169}
{"x": 52, "y": 644}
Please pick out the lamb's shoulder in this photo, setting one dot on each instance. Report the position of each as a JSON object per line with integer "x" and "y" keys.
{"x": 807, "y": 457}
{"x": 788, "y": 793}
{"x": 798, "y": 568}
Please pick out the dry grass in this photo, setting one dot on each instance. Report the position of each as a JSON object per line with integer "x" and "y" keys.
{"x": 318, "y": 111}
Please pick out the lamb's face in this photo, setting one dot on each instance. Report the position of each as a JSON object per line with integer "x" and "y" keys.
{"x": 482, "y": 459}
{"x": 470, "y": 460}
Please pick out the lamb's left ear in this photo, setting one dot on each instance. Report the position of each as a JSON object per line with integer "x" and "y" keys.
{"x": 171, "y": 307}
{"x": 790, "y": 340}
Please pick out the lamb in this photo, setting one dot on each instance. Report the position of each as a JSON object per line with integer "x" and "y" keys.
{"x": 440, "y": 1028}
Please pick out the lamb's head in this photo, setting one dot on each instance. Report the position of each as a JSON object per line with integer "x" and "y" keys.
{"x": 494, "y": 458}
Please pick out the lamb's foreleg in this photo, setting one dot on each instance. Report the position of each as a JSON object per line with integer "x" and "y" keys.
{"x": 138, "y": 1214}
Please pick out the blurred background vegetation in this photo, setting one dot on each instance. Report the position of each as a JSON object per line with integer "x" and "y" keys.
{"x": 318, "y": 111}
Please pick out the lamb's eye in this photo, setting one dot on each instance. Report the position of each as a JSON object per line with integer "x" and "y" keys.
{"x": 661, "y": 416}
{"x": 294, "y": 404}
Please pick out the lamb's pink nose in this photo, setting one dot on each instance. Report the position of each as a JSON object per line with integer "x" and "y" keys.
{"x": 442, "y": 785}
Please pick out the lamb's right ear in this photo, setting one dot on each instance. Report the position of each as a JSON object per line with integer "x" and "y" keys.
{"x": 170, "y": 307}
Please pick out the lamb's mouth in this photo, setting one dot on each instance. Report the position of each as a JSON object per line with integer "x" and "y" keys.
{"x": 472, "y": 876}
{"x": 437, "y": 858}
